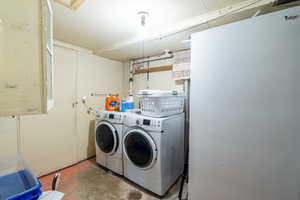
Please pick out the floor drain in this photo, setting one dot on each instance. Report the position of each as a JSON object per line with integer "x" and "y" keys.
{"x": 135, "y": 195}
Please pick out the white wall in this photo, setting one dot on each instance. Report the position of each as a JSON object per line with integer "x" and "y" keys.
{"x": 65, "y": 135}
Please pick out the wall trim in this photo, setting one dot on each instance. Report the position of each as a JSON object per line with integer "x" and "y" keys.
{"x": 72, "y": 47}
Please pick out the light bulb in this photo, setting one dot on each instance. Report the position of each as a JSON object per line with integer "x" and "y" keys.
{"x": 143, "y": 23}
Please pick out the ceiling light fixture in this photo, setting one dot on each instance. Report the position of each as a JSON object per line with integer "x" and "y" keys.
{"x": 143, "y": 17}
{"x": 143, "y": 20}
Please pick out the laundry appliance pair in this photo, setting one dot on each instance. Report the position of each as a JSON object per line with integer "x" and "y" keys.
{"x": 148, "y": 151}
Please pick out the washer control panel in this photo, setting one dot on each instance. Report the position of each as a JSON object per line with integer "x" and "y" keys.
{"x": 114, "y": 117}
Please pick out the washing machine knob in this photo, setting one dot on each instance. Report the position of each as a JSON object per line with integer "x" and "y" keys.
{"x": 137, "y": 121}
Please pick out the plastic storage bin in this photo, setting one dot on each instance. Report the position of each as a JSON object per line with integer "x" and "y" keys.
{"x": 157, "y": 103}
{"x": 17, "y": 182}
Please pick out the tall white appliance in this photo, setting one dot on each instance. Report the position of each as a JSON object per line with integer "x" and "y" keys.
{"x": 245, "y": 110}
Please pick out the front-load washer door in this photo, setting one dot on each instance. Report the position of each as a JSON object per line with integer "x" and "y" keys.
{"x": 140, "y": 149}
{"x": 107, "y": 137}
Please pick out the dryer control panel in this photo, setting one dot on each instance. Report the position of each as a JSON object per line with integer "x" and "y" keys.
{"x": 149, "y": 124}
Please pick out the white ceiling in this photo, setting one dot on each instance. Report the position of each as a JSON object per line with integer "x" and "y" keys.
{"x": 101, "y": 24}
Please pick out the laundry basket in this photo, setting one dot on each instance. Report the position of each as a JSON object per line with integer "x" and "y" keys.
{"x": 17, "y": 181}
{"x": 158, "y": 103}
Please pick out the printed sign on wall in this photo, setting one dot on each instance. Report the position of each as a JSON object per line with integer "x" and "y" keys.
{"x": 182, "y": 65}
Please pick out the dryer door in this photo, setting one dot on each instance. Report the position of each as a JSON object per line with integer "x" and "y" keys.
{"x": 140, "y": 149}
{"x": 107, "y": 137}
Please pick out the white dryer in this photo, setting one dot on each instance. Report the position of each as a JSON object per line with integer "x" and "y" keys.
{"x": 153, "y": 151}
{"x": 108, "y": 140}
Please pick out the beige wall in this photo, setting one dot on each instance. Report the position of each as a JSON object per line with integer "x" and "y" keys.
{"x": 157, "y": 80}
{"x": 49, "y": 141}
{"x": 8, "y": 137}
{"x": 95, "y": 75}
{"x": 65, "y": 135}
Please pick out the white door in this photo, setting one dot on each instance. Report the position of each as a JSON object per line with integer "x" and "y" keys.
{"x": 244, "y": 139}
{"x": 49, "y": 141}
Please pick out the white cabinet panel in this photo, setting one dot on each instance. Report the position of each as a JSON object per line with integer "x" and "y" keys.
{"x": 8, "y": 137}
{"x": 95, "y": 75}
{"x": 23, "y": 66}
{"x": 49, "y": 142}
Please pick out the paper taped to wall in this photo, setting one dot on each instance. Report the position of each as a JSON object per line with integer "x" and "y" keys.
{"x": 181, "y": 66}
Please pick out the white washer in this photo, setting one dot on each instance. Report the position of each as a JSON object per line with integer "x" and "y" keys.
{"x": 108, "y": 140}
{"x": 153, "y": 151}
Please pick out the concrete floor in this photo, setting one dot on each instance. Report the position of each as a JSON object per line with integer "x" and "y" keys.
{"x": 88, "y": 181}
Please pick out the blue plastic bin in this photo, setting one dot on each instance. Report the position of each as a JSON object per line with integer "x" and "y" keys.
{"x": 21, "y": 185}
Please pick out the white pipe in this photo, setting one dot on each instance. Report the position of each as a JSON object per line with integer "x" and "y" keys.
{"x": 165, "y": 55}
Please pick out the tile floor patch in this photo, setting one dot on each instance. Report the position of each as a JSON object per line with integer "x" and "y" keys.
{"x": 134, "y": 195}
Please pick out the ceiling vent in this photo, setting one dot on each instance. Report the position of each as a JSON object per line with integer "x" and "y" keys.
{"x": 71, "y": 4}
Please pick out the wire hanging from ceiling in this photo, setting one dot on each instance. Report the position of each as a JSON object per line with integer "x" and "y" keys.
{"x": 143, "y": 23}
